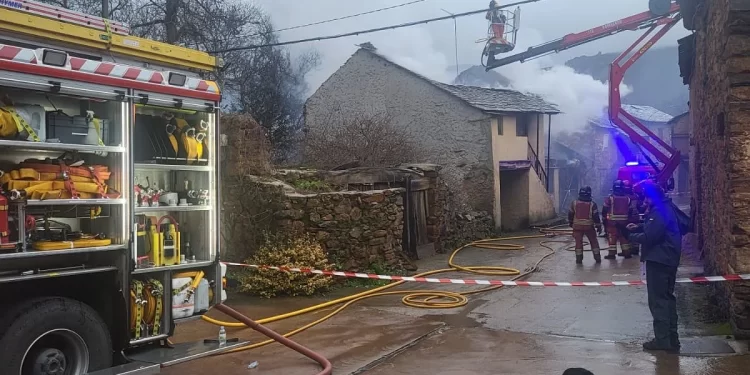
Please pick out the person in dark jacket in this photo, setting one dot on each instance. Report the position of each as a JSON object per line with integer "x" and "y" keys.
{"x": 660, "y": 240}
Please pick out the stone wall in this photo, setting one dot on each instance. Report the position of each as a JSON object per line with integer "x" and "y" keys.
{"x": 357, "y": 229}
{"x": 720, "y": 108}
{"x": 453, "y": 134}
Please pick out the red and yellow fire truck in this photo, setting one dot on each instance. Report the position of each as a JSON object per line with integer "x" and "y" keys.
{"x": 109, "y": 160}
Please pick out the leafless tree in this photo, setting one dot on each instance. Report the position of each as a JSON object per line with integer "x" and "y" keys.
{"x": 265, "y": 83}
{"x": 371, "y": 139}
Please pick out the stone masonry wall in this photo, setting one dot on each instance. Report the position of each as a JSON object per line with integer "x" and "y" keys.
{"x": 720, "y": 112}
{"x": 357, "y": 229}
{"x": 452, "y": 134}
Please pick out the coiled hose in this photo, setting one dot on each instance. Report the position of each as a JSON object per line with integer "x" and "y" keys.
{"x": 432, "y": 299}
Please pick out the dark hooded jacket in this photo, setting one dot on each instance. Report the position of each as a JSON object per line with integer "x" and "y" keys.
{"x": 659, "y": 235}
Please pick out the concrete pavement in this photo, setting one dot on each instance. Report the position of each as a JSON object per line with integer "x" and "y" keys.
{"x": 506, "y": 331}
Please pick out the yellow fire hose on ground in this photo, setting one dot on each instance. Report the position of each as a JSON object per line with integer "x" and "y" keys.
{"x": 430, "y": 299}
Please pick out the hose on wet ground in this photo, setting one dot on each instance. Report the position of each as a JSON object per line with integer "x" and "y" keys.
{"x": 426, "y": 298}
{"x": 323, "y": 361}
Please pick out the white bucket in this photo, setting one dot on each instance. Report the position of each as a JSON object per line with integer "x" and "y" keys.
{"x": 180, "y": 307}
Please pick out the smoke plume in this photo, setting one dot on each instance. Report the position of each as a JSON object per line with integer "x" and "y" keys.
{"x": 429, "y": 49}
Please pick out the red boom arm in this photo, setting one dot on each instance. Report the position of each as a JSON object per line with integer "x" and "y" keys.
{"x": 668, "y": 156}
{"x": 627, "y": 122}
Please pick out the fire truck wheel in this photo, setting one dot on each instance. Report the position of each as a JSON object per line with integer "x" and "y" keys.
{"x": 51, "y": 336}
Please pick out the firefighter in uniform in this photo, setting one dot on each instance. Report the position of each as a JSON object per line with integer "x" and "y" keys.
{"x": 497, "y": 20}
{"x": 635, "y": 217}
{"x": 617, "y": 211}
{"x": 583, "y": 217}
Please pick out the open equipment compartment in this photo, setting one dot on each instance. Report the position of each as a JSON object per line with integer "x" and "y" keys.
{"x": 174, "y": 204}
{"x": 65, "y": 194}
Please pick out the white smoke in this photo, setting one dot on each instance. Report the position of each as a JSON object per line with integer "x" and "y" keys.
{"x": 579, "y": 96}
{"x": 429, "y": 49}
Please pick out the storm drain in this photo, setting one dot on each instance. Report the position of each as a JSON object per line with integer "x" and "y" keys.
{"x": 705, "y": 347}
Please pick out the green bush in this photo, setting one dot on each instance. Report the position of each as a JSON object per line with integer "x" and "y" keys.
{"x": 312, "y": 186}
{"x": 288, "y": 252}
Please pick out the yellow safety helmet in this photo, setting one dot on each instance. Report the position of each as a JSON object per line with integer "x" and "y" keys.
{"x": 8, "y": 125}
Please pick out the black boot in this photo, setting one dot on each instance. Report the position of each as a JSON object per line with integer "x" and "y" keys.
{"x": 612, "y": 255}
{"x": 597, "y": 258}
{"x": 579, "y": 259}
{"x": 655, "y": 346}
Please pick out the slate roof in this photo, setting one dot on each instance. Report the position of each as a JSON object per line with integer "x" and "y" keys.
{"x": 641, "y": 112}
{"x": 498, "y": 100}
{"x": 483, "y": 99}
{"x": 647, "y": 113}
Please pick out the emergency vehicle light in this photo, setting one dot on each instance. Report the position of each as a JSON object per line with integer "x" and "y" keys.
{"x": 177, "y": 79}
{"x": 631, "y": 163}
{"x": 54, "y": 58}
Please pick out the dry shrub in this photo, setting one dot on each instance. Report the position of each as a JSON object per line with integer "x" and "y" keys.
{"x": 372, "y": 140}
{"x": 297, "y": 252}
{"x": 248, "y": 148}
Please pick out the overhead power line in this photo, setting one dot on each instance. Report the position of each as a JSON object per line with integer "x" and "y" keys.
{"x": 368, "y": 31}
{"x": 346, "y": 17}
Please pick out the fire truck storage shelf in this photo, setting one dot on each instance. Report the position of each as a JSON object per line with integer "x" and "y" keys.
{"x": 176, "y": 267}
{"x": 31, "y": 25}
{"x": 58, "y": 147}
{"x": 34, "y": 254}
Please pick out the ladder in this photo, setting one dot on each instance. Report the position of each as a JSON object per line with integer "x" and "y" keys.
{"x": 66, "y": 15}
{"x": 40, "y": 21}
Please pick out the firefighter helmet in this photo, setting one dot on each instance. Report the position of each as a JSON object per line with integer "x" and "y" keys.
{"x": 627, "y": 186}
{"x": 584, "y": 192}
{"x": 617, "y": 187}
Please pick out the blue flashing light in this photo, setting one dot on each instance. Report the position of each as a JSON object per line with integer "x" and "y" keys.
{"x": 631, "y": 163}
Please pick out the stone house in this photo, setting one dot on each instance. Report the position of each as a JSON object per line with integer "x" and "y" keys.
{"x": 681, "y": 131}
{"x": 612, "y": 147}
{"x": 714, "y": 62}
{"x": 490, "y": 142}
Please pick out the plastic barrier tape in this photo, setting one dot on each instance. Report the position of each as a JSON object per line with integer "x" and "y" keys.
{"x": 697, "y": 280}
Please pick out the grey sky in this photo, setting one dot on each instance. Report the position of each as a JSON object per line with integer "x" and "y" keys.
{"x": 431, "y": 47}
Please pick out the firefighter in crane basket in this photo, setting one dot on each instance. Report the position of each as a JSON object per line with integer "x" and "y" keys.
{"x": 618, "y": 210}
{"x": 583, "y": 217}
{"x": 497, "y": 21}
{"x": 635, "y": 217}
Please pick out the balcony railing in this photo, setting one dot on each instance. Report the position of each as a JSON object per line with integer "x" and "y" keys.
{"x": 537, "y": 165}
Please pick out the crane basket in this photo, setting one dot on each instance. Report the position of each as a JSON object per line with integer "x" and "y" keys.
{"x": 501, "y": 32}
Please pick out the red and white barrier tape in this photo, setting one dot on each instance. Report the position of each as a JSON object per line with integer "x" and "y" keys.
{"x": 702, "y": 279}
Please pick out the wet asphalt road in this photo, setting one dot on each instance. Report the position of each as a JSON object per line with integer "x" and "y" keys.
{"x": 505, "y": 331}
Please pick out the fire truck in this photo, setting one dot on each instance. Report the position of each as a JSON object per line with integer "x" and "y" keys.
{"x": 109, "y": 165}
{"x": 663, "y": 159}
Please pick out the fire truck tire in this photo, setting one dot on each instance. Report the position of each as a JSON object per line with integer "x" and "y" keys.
{"x": 52, "y": 332}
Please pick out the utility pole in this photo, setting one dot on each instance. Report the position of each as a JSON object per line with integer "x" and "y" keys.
{"x": 455, "y": 39}
{"x": 105, "y": 8}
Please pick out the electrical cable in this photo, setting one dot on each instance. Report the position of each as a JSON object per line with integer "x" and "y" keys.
{"x": 425, "y": 298}
{"x": 341, "y": 18}
{"x": 368, "y": 31}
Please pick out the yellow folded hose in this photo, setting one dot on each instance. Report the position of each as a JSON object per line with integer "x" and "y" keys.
{"x": 75, "y": 244}
{"x": 416, "y": 298}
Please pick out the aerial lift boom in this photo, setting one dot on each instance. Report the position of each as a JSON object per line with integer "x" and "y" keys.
{"x": 660, "y": 150}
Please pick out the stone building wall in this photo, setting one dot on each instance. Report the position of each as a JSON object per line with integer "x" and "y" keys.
{"x": 720, "y": 110}
{"x": 451, "y": 133}
{"x": 357, "y": 229}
